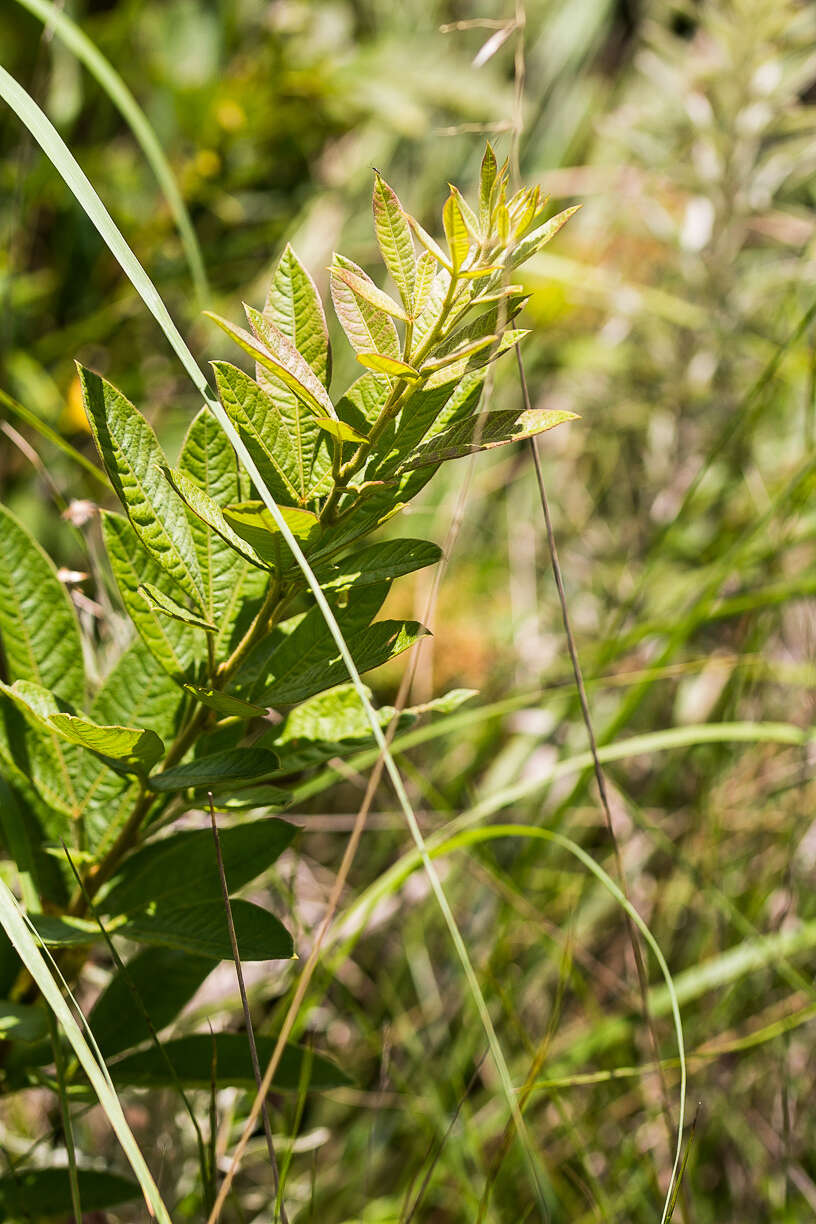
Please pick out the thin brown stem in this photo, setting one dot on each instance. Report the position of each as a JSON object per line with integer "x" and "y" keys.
{"x": 600, "y": 778}
{"x": 239, "y": 973}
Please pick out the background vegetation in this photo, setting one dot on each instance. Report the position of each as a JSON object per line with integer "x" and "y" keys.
{"x": 674, "y": 315}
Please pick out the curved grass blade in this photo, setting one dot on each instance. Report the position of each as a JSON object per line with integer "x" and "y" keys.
{"x": 25, "y": 944}
{"x": 87, "y": 52}
{"x": 65, "y": 163}
{"x": 51, "y": 435}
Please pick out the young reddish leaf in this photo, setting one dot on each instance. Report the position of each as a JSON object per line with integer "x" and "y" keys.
{"x": 282, "y": 348}
{"x": 364, "y": 288}
{"x": 264, "y": 357}
{"x": 366, "y": 326}
{"x": 293, "y": 304}
{"x": 388, "y": 365}
{"x": 395, "y": 242}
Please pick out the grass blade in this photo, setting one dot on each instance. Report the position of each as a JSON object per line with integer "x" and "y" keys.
{"x": 88, "y": 53}
{"x": 14, "y": 924}
{"x": 51, "y": 435}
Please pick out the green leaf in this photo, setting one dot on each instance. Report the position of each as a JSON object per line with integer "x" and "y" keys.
{"x": 364, "y": 400}
{"x": 256, "y": 526}
{"x": 468, "y": 215}
{"x": 210, "y": 513}
{"x": 539, "y": 238}
{"x": 208, "y": 459}
{"x": 367, "y": 328}
{"x": 282, "y": 364}
{"x": 21, "y": 1022}
{"x": 470, "y": 349}
{"x": 137, "y": 688}
{"x": 44, "y": 1193}
{"x": 266, "y": 432}
{"x": 391, "y": 366}
{"x": 192, "y": 1060}
{"x": 133, "y": 749}
{"x": 165, "y": 604}
{"x": 202, "y": 930}
{"x": 236, "y": 764}
{"x": 38, "y": 624}
{"x": 174, "y": 645}
{"x": 283, "y": 349}
{"x": 132, "y": 457}
{"x": 22, "y": 831}
{"x": 182, "y": 866}
{"x": 430, "y": 411}
{"x": 394, "y": 239}
{"x": 250, "y": 798}
{"x": 308, "y": 661}
{"x": 365, "y": 289}
{"x": 223, "y": 703}
{"x": 34, "y": 748}
{"x": 425, "y": 272}
{"x": 294, "y": 305}
{"x": 484, "y": 432}
{"x": 337, "y": 715}
{"x": 354, "y": 609}
{"x": 482, "y": 356}
{"x": 432, "y": 247}
{"x": 487, "y": 179}
{"x": 340, "y": 431}
{"x": 164, "y": 979}
{"x": 456, "y": 232}
{"x": 380, "y": 562}
{"x": 66, "y": 932}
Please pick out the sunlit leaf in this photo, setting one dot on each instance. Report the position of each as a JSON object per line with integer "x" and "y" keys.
{"x": 487, "y": 179}
{"x": 367, "y": 327}
{"x": 38, "y": 624}
{"x": 167, "y": 606}
{"x": 391, "y": 366}
{"x": 484, "y": 432}
{"x": 394, "y": 238}
{"x": 456, "y": 232}
{"x": 365, "y": 289}
{"x": 211, "y": 514}
{"x": 174, "y": 645}
{"x": 282, "y": 362}
{"x": 539, "y": 238}
{"x": 294, "y": 305}
{"x": 210, "y": 462}
{"x": 132, "y": 458}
